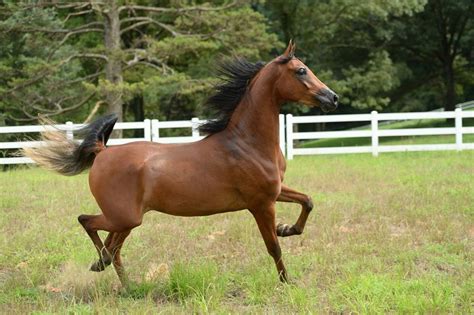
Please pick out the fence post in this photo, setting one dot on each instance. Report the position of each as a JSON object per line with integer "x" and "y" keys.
{"x": 281, "y": 118}
{"x": 69, "y": 132}
{"x": 458, "y": 127}
{"x": 155, "y": 131}
{"x": 147, "y": 130}
{"x": 375, "y": 133}
{"x": 195, "y": 126}
{"x": 289, "y": 137}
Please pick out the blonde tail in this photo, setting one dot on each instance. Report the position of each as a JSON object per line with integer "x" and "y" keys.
{"x": 69, "y": 157}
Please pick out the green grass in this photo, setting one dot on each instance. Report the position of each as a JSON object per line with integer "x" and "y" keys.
{"x": 398, "y": 140}
{"x": 392, "y": 234}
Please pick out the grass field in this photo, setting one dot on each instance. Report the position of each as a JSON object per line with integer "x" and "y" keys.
{"x": 388, "y": 234}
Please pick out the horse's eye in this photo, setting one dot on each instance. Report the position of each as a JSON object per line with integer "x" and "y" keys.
{"x": 301, "y": 71}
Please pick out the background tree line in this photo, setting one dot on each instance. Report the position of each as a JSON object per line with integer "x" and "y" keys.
{"x": 72, "y": 60}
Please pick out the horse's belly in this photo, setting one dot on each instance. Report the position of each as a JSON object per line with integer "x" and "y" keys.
{"x": 194, "y": 212}
{"x": 184, "y": 203}
{"x": 187, "y": 189}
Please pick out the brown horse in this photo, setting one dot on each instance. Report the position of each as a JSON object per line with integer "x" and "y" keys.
{"x": 239, "y": 165}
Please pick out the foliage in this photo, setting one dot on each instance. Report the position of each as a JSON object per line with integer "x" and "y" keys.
{"x": 437, "y": 49}
{"x": 367, "y": 86}
{"x": 345, "y": 42}
{"x": 375, "y": 53}
{"x": 166, "y": 58}
{"x": 180, "y": 94}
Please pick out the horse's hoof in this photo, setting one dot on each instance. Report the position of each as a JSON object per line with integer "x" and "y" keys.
{"x": 287, "y": 230}
{"x": 98, "y": 266}
{"x": 283, "y": 229}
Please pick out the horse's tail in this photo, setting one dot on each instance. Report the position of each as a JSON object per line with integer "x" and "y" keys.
{"x": 69, "y": 157}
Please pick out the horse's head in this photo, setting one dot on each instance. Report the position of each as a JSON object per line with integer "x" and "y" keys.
{"x": 298, "y": 83}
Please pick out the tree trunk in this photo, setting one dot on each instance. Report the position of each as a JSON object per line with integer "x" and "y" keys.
{"x": 450, "y": 86}
{"x": 113, "y": 69}
{"x": 136, "y": 106}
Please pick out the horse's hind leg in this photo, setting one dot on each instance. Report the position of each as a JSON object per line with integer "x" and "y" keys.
{"x": 115, "y": 248}
{"x": 108, "y": 240}
{"x": 289, "y": 195}
{"x": 97, "y": 266}
{"x": 93, "y": 223}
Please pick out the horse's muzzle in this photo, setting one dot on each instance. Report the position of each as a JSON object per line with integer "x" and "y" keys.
{"x": 327, "y": 99}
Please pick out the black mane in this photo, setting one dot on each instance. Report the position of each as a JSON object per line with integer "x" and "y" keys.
{"x": 235, "y": 76}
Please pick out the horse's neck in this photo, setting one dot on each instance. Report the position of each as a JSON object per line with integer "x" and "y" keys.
{"x": 255, "y": 121}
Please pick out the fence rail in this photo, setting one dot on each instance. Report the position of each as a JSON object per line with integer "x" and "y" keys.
{"x": 375, "y": 133}
{"x": 70, "y": 129}
{"x": 151, "y": 131}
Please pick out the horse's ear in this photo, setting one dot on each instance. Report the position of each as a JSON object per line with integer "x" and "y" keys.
{"x": 290, "y": 50}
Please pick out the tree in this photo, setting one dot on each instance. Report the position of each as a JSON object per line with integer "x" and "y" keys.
{"x": 395, "y": 55}
{"x": 28, "y": 81}
{"x": 116, "y": 50}
{"x": 437, "y": 44}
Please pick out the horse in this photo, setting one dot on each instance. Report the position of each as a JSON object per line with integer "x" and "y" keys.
{"x": 238, "y": 165}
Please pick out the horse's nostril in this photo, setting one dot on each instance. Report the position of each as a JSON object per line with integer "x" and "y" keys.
{"x": 336, "y": 98}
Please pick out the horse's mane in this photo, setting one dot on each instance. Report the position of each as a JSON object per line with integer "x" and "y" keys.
{"x": 235, "y": 76}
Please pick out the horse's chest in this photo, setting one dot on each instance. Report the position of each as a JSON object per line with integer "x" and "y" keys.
{"x": 258, "y": 176}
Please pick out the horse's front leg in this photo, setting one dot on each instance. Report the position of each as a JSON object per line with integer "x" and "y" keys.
{"x": 289, "y": 195}
{"x": 265, "y": 217}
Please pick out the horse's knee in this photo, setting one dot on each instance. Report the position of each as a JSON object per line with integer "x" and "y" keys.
{"x": 308, "y": 204}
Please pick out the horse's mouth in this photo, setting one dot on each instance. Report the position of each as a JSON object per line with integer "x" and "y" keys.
{"x": 327, "y": 100}
{"x": 328, "y": 107}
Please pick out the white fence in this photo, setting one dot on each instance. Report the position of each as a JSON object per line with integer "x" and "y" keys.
{"x": 151, "y": 130}
{"x": 375, "y": 133}
{"x": 69, "y": 128}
